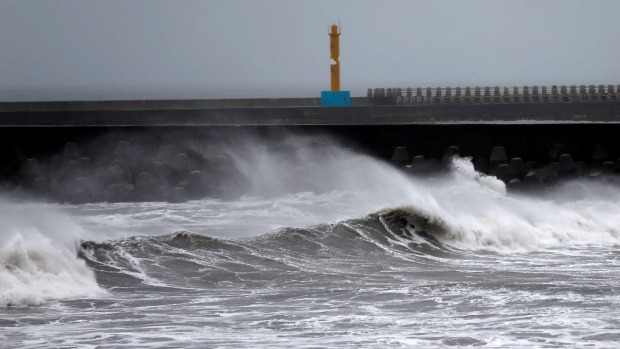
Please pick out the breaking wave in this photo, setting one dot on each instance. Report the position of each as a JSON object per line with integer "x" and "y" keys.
{"x": 38, "y": 258}
{"x": 416, "y": 221}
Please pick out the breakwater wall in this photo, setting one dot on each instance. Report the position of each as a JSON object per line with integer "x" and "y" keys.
{"x": 164, "y": 104}
{"x": 362, "y": 112}
{"x": 120, "y": 150}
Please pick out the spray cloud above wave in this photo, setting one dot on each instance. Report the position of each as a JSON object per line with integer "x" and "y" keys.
{"x": 466, "y": 208}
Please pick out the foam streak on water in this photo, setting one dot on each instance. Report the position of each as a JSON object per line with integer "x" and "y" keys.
{"x": 370, "y": 258}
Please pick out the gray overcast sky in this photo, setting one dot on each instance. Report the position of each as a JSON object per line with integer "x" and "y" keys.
{"x": 125, "y": 49}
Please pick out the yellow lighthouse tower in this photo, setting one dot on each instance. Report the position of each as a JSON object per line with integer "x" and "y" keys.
{"x": 335, "y": 97}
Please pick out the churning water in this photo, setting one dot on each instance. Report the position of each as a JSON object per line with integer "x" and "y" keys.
{"x": 329, "y": 249}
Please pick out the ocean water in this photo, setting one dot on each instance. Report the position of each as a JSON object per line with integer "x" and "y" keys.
{"x": 329, "y": 249}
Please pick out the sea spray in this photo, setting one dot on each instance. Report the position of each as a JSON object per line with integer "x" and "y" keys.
{"x": 472, "y": 211}
{"x": 465, "y": 168}
{"x": 299, "y": 181}
{"x": 38, "y": 257}
{"x": 318, "y": 165}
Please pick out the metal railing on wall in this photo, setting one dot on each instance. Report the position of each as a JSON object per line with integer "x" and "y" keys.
{"x": 496, "y": 94}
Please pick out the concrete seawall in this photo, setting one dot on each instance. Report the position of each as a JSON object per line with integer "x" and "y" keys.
{"x": 281, "y": 113}
{"x": 166, "y": 104}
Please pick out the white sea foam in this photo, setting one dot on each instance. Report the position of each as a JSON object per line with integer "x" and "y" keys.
{"x": 472, "y": 211}
{"x": 38, "y": 257}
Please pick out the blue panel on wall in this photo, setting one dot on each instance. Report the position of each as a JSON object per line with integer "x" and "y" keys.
{"x": 335, "y": 98}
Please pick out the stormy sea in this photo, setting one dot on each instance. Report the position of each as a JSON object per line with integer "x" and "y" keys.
{"x": 327, "y": 248}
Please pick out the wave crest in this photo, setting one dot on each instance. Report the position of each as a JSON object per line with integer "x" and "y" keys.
{"x": 34, "y": 269}
{"x": 38, "y": 259}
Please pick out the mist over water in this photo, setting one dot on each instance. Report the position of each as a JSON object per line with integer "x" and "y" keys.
{"x": 328, "y": 247}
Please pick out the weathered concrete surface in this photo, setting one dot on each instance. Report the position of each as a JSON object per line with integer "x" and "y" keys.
{"x": 187, "y": 113}
{"x": 166, "y": 104}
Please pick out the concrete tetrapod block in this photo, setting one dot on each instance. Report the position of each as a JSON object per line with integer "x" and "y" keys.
{"x": 196, "y": 185}
{"x": 531, "y": 181}
{"x": 178, "y": 195}
{"x": 125, "y": 165}
{"x": 40, "y": 186}
{"x": 122, "y": 150}
{"x": 549, "y": 174}
{"x": 400, "y": 156}
{"x": 119, "y": 162}
{"x": 582, "y": 168}
{"x": 514, "y": 185}
{"x": 567, "y": 167}
{"x": 149, "y": 188}
{"x": 71, "y": 151}
{"x": 498, "y": 156}
{"x": 418, "y": 165}
{"x": 502, "y": 172}
{"x": 85, "y": 165}
{"x": 164, "y": 153}
{"x": 55, "y": 163}
{"x": 69, "y": 171}
{"x": 599, "y": 155}
{"x": 145, "y": 181}
{"x": 181, "y": 162}
{"x": 530, "y": 165}
{"x": 159, "y": 170}
{"x": 118, "y": 192}
{"x": 518, "y": 170}
{"x": 449, "y": 154}
{"x": 117, "y": 174}
{"x": 57, "y": 190}
{"x": 79, "y": 196}
{"x": 81, "y": 192}
{"x": 555, "y": 152}
{"x": 82, "y": 183}
{"x": 29, "y": 170}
